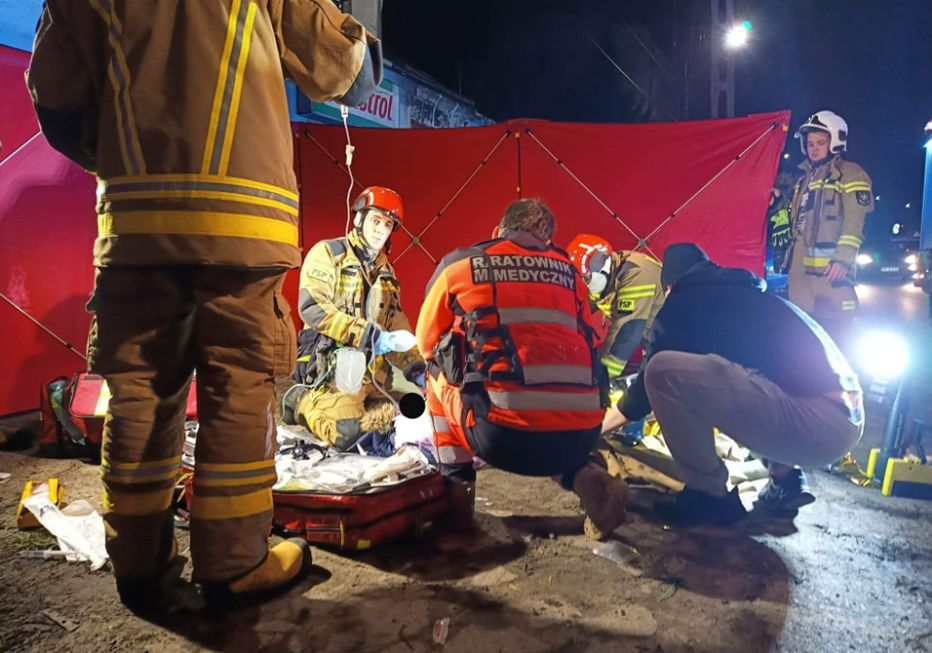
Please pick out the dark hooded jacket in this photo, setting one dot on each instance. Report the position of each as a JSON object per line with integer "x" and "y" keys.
{"x": 725, "y": 311}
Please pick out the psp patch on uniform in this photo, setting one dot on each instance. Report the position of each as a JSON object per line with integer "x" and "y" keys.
{"x": 863, "y": 197}
{"x": 627, "y": 304}
{"x": 320, "y": 273}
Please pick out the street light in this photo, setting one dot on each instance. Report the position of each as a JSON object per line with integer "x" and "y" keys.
{"x": 737, "y": 36}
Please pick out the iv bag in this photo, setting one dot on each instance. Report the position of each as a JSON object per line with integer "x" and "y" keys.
{"x": 350, "y": 369}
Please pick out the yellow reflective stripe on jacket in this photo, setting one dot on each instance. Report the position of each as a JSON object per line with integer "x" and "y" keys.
{"x": 118, "y": 71}
{"x": 852, "y": 186}
{"x": 849, "y": 240}
{"x": 637, "y": 295}
{"x": 816, "y": 261}
{"x": 630, "y": 290}
{"x": 820, "y": 184}
{"x": 230, "y": 127}
{"x": 203, "y": 181}
{"x": 201, "y": 194}
{"x": 613, "y": 365}
{"x": 197, "y": 223}
{"x": 849, "y": 305}
{"x": 231, "y": 507}
{"x": 223, "y": 92}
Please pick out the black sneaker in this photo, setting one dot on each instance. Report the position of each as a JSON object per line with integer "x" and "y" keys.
{"x": 786, "y": 495}
{"x": 695, "y": 508}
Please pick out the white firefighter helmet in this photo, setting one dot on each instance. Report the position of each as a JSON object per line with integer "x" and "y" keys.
{"x": 826, "y": 121}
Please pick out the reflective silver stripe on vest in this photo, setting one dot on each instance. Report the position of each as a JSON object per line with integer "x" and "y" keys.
{"x": 111, "y": 191}
{"x": 537, "y": 400}
{"x": 539, "y": 374}
{"x": 537, "y": 315}
{"x": 818, "y": 252}
{"x": 452, "y": 455}
{"x": 441, "y": 424}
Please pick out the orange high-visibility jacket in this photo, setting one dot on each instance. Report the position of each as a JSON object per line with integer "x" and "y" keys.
{"x": 522, "y": 310}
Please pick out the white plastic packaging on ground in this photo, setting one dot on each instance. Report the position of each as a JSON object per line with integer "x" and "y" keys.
{"x": 78, "y": 527}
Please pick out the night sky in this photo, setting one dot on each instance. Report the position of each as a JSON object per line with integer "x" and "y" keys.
{"x": 868, "y": 60}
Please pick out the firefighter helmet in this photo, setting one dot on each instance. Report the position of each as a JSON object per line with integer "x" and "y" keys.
{"x": 378, "y": 197}
{"x": 592, "y": 256}
{"x": 588, "y": 253}
{"x": 829, "y": 122}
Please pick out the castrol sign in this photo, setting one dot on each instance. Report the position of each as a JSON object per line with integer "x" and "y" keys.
{"x": 382, "y": 107}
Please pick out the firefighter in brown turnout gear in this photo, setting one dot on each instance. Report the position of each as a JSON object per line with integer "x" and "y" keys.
{"x": 349, "y": 297}
{"x": 197, "y": 223}
{"x": 830, "y": 202}
{"x": 625, "y": 286}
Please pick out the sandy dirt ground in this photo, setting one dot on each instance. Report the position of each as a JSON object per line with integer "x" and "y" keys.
{"x": 852, "y": 573}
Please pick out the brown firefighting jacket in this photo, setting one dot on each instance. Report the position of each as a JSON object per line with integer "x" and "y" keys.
{"x": 342, "y": 297}
{"x": 827, "y": 213}
{"x": 520, "y": 311}
{"x": 180, "y": 110}
{"x": 635, "y": 295}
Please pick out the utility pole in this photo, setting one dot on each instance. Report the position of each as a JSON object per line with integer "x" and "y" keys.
{"x": 723, "y": 63}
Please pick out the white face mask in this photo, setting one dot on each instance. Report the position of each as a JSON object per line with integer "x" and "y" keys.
{"x": 376, "y": 228}
{"x": 598, "y": 282}
{"x": 598, "y": 279}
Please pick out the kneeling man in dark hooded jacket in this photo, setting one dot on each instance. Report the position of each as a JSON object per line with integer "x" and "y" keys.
{"x": 724, "y": 354}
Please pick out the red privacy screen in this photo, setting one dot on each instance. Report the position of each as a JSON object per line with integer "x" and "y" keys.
{"x": 640, "y": 186}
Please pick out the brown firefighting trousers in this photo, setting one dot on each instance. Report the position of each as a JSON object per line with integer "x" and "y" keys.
{"x": 692, "y": 393}
{"x": 832, "y": 306}
{"x": 153, "y": 328}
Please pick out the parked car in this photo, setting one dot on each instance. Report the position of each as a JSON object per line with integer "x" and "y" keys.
{"x": 895, "y": 261}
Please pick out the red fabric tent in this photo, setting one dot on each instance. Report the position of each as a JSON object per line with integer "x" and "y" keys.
{"x": 641, "y": 186}
{"x": 47, "y": 230}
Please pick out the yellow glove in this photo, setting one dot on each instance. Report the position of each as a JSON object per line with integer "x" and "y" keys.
{"x": 780, "y": 229}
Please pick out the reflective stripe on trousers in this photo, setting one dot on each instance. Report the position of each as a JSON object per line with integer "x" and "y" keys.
{"x": 152, "y": 326}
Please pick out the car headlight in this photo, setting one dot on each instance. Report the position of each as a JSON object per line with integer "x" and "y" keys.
{"x": 911, "y": 259}
{"x": 884, "y": 354}
{"x": 864, "y": 259}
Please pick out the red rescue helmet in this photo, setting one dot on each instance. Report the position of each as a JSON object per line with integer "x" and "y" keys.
{"x": 379, "y": 197}
{"x": 589, "y": 253}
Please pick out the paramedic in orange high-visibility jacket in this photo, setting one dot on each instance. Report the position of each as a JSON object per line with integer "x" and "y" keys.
{"x": 511, "y": 355}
